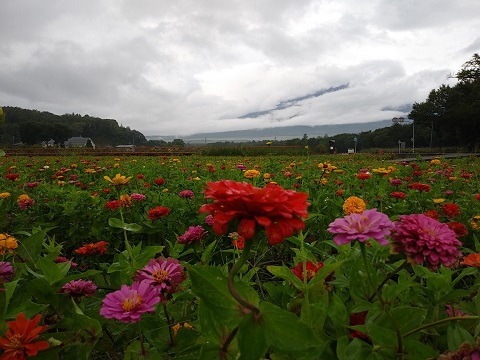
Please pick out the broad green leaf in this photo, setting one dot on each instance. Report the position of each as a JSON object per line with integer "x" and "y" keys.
{"x": 252, "y": 341}
{"x": 52, "y": 271}
{"x": 7, "y": 295}
{"x": 117, "y": 223}
{"x": 286, "y": 332}
{"x": 417, "y": 350}
{"x": 207, "y": 253}
{"x": 382, "y": 336}
{"x": 358, "y": 349}
{"x": 30, "y": 247}
{"x": 457, "y": 335}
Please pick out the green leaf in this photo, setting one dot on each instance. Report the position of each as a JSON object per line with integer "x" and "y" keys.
{"x": 117, "y": 223}
{"x": 207, "y": 253}
{"x": 286, "y": 274}
{"x": 30, "y": 248}
{"x": 286, "y": 332}
{"x": 358, "y": 349}
{"x": 382, "y": 336}
{"x": 252, "y": 341}
{"x": 7, "y": 294}
{"x": 457, "y": 335}
{"x": 52, "y": 271}
{"x": 417, "y": 350}
{"x": 147, "y": 253}
{"x": 210, "y": 285}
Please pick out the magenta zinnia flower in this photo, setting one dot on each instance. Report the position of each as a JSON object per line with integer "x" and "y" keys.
{"x": 186, "y": 194}
{"x": 369, "y": 224}
{"x": 192, "y": 235}
{"x": 6, "y": 271}
{"x": 130, "y": 302}
{"x": 78, "y": 288}
{"x": 164, "y": 274}
{"x": 426, "y": 240}
{"x": 137, "y": 197}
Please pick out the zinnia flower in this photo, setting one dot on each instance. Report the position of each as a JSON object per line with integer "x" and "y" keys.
{"x": 278, "y": 210}
{"x": 137, "y": 197}
{"x": 18, "y": 343}
{"x": 420, "y": 187}
{"x": 451, "y": 210}
{"x": 310, "y": 270}
{"x": 193, "y": 234}
{"x": 24, "y": 202}
{"x": 250, "y": 174}
{"x": 363, "y": 176}
{"x": 94, "y": 248}
{"x": 471, "y": 260}
{"x": 79, "y": 288}
{"x": 459, "y": 228}
{"x": 7, "y": 243}
{"x": 209, "y": 220}
{"x": 354, "y": 204}
{"x": 118, "y": 180}
{"x": 158, "y": 212}
{"x": 186, "y": 194}
{"x": 130, "y": 302}
{"x": 370, "y": 224}
{"x": 112, "y": 205}
{"x": 398, "y": 194}
{"x": 237, "y": 240}
{"x": 6, "y": 271}
{"x": 4, "y": 195}
{"x": 425, "y": 240}
{"x": 159, "y": 181}
{"x": 125, "y": 200}
{"x": 164, "y": 274}
{"x": 13, "y": 177}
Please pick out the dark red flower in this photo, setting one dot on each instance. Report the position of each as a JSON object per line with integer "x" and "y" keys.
{"x": 359, "y": 319}
{"x": 112, "y": 205}
{"x": 12, "y": 177}
{"x": 95, "y": 248}
{"x": 420, "y": 187}
{"x": 18, "y": 343}
{"x": 310, "y": 269}
{"x": 278, "y": 210}
{"x": 398, "y": 194}
{"x": 159, "y": 181}
{"x": 363, "y": 176}
{"x": 432, "y": 214}
{"x": 458, "y": 228}
{"x": 158, "y": 212}
{"x": 450, "y": 210}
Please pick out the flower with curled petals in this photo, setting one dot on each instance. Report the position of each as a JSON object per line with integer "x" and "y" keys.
{"x": 278, "y": 210}
{"x": 370, "y": 224}
{"x": 164, "y": 274}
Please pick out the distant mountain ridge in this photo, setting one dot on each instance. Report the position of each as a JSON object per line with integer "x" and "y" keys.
{"x": 278, "y": 133}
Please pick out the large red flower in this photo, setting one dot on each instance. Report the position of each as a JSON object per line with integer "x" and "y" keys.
{"x": 278, "y": 210}
{"x": 18, "y": 343}
{"x": 95, "y": 248}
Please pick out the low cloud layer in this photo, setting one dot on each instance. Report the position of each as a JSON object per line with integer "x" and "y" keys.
{"x": 184, "y": 67}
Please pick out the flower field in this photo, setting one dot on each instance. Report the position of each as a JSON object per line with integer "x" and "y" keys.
{"x": 278, "y": 257}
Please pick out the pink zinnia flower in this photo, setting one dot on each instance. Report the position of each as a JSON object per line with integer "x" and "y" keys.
{"x": 6, "y": 271}
{"x": 164, "y": 274}
{"x": 78, "y": 288}
{"x": 426, "y": 240}
{"x": 137, "y": 197}
{"x": 130, "y": 302}
{"x": 370, "y": 224}
{"x": 209, "y": 220}
{"x": 186, "y": 194}
{"x": 193, "y": 234}
{"x": 62, "y": 259}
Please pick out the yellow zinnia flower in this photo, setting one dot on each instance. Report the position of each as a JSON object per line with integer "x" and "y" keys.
{"x": 23, "y": 197}
{"x": 354, "y": 205}
{"x": 250, "y": 174}
{"x": 7, "y": 243}
{"x": 435, "y": 162}
{"x": 118, "y": 180}
{"x": 438, "y": 200}
{"x": 4, "y": 195}
{"x": 475, "y": 222}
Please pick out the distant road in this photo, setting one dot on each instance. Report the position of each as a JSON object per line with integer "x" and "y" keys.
{"x": 414, "y": 157}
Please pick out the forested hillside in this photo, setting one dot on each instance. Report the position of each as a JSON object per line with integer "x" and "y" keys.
{"x": 32, "y": 127}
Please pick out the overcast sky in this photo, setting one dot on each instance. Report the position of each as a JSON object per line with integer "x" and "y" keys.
{"x": 189, "y": 66}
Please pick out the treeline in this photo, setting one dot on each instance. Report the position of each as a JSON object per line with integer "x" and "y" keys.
{"x": 32, "y": 127}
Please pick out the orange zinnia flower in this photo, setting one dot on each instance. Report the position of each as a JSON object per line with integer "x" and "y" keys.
{"x": 472, "y": 260}
{"x": 18, "y": 343}
{"x": 96, "y": 248}
{"x": 7, "y": 243}
{"x": 354, "y": 205}
{"x": 310, "y": 270}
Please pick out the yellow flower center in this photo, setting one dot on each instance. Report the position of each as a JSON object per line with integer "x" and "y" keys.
{"x": 131, "y": 304}
{"x": 160, "y": 275}
{"x": 16, "y": 342}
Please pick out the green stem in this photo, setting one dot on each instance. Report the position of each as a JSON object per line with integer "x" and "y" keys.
{"x": 233, "y": 271}
{"x": 127, "y": 244}
{"x": 170, "y": 331}
{"x": 387, "y": 278}
{"x": 382, "y": 301}
{"x": 439, "y": 322}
